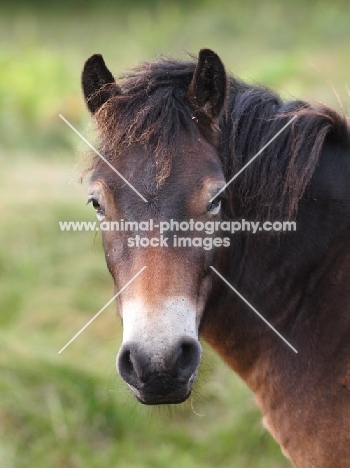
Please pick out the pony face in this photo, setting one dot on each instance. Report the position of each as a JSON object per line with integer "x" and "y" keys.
{"x": 164, "y": 219}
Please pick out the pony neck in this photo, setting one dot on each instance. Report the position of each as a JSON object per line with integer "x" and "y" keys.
{"x": 298, "y": 283}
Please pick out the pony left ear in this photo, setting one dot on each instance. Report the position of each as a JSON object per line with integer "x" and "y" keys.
{"x": 207, "y": 91}
{"x": 98, "y": 83}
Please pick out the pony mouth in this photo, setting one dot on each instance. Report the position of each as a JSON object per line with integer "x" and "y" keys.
{"x": 153, "y": 395}
{"x": 152, "y": 400}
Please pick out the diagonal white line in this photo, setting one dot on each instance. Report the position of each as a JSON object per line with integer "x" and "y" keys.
{"x": 252, "y": 159}
{"x": 103, "y": 308}
{"x": 253, "y": 309}
{"x": 103, "y": 158}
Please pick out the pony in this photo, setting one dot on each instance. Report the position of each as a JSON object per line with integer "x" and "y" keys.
{"x": 172, "y": 135}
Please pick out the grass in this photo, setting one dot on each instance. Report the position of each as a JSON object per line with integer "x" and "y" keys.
{"x": 72, "y": 409}
{"x": 294, "y": 47}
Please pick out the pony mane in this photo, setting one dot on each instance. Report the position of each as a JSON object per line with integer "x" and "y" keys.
{"x": 153, "y": 111}
{"x": 272, "y": 186}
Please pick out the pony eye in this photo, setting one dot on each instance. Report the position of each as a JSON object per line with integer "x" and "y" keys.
{"x": 97, "y": 207}
{"x": 214, "y": 206}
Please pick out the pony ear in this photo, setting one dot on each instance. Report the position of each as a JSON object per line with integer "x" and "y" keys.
{"x": 98, "y": 83}
{"x": 207, "y": 91}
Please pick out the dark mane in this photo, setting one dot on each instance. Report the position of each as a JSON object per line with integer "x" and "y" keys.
{"x": 153, "y": 111}
{"x": 273, "y": 184}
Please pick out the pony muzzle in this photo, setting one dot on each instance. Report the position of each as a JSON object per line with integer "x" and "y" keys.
{"x": 163, "y": 377}
{"x": 160, "y": 354}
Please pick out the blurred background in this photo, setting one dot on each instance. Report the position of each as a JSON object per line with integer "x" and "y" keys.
{"x": 72, "y": 410}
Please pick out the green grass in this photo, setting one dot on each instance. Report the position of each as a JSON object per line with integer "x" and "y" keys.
{"x": 298, "y": 48}
{"x": 72, "y": 409}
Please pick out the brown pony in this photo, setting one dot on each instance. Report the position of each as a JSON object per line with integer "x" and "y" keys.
{"x": 178, "y": 132}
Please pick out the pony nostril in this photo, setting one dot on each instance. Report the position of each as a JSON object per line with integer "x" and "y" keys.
{"x": 125, "y": 365}
{"x": 188, "y": 358}
{"x": 126, "y": 361}
{"x": 131, "y": 364}
{"x": 185, "y": 357}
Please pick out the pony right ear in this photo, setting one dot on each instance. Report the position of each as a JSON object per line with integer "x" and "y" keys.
{"x": 207, "y": 91}
{"x": 98, "y": 83}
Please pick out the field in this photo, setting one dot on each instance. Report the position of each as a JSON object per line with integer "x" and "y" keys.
{"x": 72, "y": 410}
